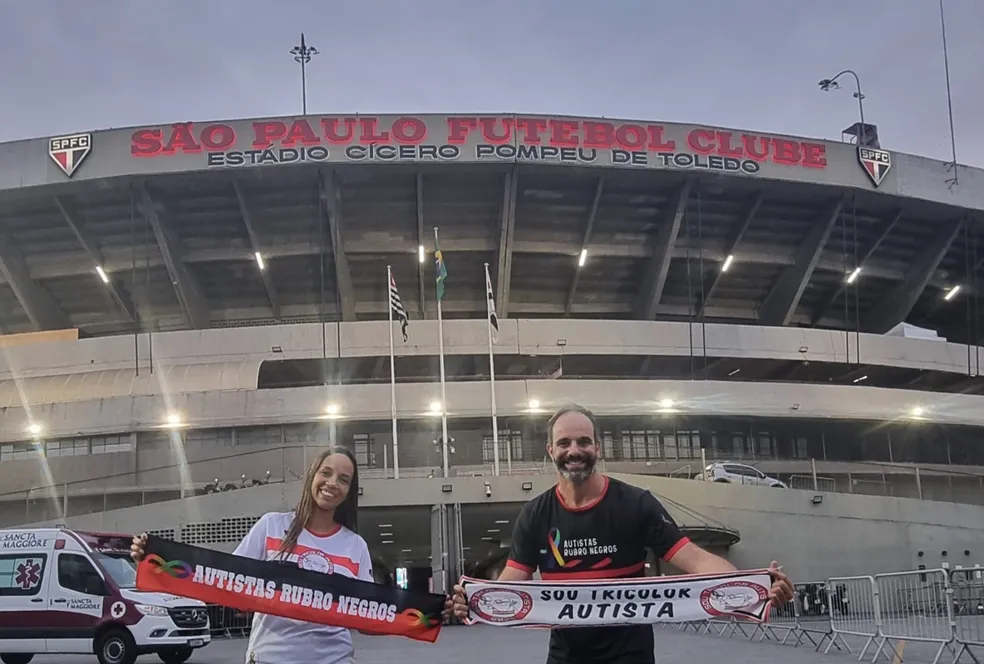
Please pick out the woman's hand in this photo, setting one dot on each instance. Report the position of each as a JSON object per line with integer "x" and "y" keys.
{"x": 137, "y": 547}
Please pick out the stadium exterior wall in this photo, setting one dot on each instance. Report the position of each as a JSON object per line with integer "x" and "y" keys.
{"x": 517, "y": 336}
{"x": 843, "y": 535}
{"x": 471, "y": 400}
{"x": 573, "y": 142}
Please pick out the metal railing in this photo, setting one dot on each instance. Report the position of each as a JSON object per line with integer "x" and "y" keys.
{"x": 941, "y": 610}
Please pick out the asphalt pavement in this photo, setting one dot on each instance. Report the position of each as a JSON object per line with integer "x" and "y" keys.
{"x": 517, "y": 646}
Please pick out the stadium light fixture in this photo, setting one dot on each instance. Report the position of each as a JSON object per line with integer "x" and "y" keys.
{"x": 435, "y": 406}
{"x": 332, "y": 410}
{"x": 173, "y": 420}
{"x": 303, "y": 54}
{"x": 259, "y": 261}
{"x": 853, "y": 276}
{"x": 33, "y": 429}
{"x": 727, "y": 262}
{"x": 829, "y": 84}
{"x": 420, "y": 253}
{"x": 666, "y": 403}
{"x": 102, "y": 274}
{"x": 918, "y": 411}
{"x": 582, "y": 258}
{"x": 950, "y": 293}
{"x": 534, "y": 404}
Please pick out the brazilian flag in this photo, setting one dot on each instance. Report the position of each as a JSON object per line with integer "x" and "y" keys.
{"x": 442, "y": 270}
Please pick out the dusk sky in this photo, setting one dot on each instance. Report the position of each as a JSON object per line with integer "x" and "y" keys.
{"x": 69, "y": 65}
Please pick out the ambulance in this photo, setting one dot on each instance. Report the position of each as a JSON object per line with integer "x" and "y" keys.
{"x": 70, "y": 592}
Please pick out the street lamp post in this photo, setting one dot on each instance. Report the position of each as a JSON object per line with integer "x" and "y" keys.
{"x": 828, "y": 84}
{"x": 303, "y": 54}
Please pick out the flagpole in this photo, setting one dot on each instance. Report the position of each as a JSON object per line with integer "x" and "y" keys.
{"x": 389, "y": 307}
{"x": 444, "y": 394}
{"x": 495, "y": 422}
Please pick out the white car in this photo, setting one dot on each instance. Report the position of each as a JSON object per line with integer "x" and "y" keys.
{"x": 70, "y": 592}
{"x": 738, "y": 473}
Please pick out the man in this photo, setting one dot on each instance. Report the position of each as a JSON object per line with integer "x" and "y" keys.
{"x": 611, "y": 524}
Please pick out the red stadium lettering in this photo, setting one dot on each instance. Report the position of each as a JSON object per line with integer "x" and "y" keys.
{"x": 560, "y": 133}
{"x": 785, "y": 151}
{"x": 750, "y": 143}
{"x": 218, "y": 137}
{"x": 146, "y": 143}
{"x": 496, "y": 137}
{"x": 531, "y": 129}
{"x": 564, "y": 133}
{"x": 631, "y": 137}
{"x": 701, "y": 141}
{"x": 182, "y": 138}
{"x": 599, "y": 135}
{"x": 657, "y": 143}
{"x": 265, "y": 133}
{"x": 757, "y": 148}
{"x": 300, "y": 132}
{"x": 329, "y": 127}
{"x": 459, "y": 128}
{"x": 410, "y": 131}
{"x": 725, "y": 147}
{"x": 814, "y": 155}
{"x": 369, "y": 133}
{"x": 489, "y": 134}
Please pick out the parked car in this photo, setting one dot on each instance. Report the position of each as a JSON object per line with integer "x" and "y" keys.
{"x": 738, "y": 473}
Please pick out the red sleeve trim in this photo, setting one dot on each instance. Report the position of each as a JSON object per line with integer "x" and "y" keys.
{"x": 675, "y": 549}
{"x": 520, "y": 566}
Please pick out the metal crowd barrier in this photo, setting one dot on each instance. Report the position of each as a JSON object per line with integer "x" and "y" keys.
{"x": 941, "y": 608}
{"x": 230, "y": 623}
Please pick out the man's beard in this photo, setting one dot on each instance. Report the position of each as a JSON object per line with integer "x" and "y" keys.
{"x": 578, "y": 475}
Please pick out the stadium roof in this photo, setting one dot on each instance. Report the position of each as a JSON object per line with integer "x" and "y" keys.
{"x": 175, "y": 217}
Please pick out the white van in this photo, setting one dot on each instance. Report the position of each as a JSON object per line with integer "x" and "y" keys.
{"x": 63, "y": 591}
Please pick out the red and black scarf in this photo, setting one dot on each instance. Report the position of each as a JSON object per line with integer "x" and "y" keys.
{"x": 287, "y": 591}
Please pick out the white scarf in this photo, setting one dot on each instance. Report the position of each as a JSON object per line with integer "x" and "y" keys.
{"x": 636, "y": 601}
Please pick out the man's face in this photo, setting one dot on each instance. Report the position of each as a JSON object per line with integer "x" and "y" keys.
{"x": 574, "y": 450}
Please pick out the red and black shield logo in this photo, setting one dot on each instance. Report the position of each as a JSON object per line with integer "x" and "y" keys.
{"x": 70, "y": 151}
{"x": 876, "y": 163}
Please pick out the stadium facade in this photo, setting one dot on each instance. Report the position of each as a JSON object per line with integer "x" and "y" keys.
{"x": 191, "y": 310}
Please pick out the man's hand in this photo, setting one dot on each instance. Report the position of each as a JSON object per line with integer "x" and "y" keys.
{"x": 460, "y": 603}
{"x": 782, "y": 588}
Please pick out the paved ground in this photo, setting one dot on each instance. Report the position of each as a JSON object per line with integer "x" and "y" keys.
{"x": 515, "y": 646}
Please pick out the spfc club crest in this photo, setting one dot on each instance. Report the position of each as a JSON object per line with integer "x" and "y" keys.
{"x": 876, "y": 163}
{"x": 70, "y": 151}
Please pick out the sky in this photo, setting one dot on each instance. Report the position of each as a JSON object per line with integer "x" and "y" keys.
{"x": 73, "y": 65}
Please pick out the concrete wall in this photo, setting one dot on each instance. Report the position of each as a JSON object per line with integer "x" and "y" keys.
{"x": 843, "y": 535}
{"x": 471, "y": 399}
{"x": 468, "y": 337}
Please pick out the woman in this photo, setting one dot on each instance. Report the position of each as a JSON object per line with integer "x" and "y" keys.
{"x": 320, "y": 535}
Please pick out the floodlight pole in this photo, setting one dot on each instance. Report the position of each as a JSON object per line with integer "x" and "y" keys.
{"x": 303, "y": 55}
{"x": 828, "y": 83}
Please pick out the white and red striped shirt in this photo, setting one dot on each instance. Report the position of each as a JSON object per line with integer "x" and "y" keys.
{"x": 274, "y": 639}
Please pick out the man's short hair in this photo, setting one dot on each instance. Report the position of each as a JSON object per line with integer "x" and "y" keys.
{"x": 571, "y": 408}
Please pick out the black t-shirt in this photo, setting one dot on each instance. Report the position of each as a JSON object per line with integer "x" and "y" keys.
{"x": 605, "y": 540}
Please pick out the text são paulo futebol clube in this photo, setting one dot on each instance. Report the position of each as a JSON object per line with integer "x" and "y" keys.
{"x": 295, "y": 595}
